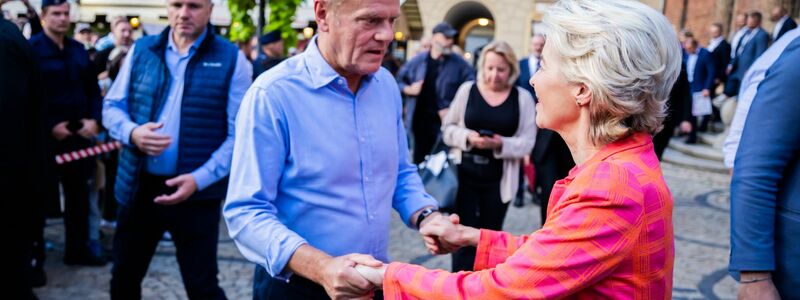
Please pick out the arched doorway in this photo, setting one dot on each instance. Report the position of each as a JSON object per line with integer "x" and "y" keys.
{"x": 475, "y": 25}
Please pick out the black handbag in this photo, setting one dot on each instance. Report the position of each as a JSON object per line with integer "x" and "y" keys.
{"x": 442, "y": 186}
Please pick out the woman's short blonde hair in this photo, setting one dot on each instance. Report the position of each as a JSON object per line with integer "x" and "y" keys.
{"x": 626, "y": 53}
{"x": 503, "y": 49}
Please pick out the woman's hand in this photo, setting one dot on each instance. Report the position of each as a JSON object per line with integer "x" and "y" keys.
{"x": 372, "y": 274}
{"x": 446, "y": 235}
{"x": 480, "y": 142}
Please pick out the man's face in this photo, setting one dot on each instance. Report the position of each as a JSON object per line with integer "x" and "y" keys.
{"x": 359, "y": 32}
{"x": 753, "y": 22}
{"x": 84, "y": 36}
{"x": 442, "y": 43}
{"x": 275, "y": 48}
{"x": 690, "y": 46}
{"x": 188, "y": 18}
{"x": 537, "y": 45}
{"x": 56, "y": 18}
{"x": 714, "y": 31}
{"x": 123, "y": 34}
{"x": 776, "y": 14}
{"x": 741, "y": 20}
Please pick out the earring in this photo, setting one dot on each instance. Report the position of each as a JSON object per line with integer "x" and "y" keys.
{"x": 579, "y": 102}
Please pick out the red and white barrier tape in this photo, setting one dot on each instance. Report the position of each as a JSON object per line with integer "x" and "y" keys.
{"x": 88, "y": 152}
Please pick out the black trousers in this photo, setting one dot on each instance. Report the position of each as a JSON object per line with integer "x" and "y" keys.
{"x": 478, "y": 204}
{"x": 426, "y": 128}
{"x": 109, "y": 202}
{"x": 19, "y": 227}
{"x": 194, "y": 226}
{"x": 661, "y": 139}
{"x": 74, "y": 178}
{"x": 266, "y": 287}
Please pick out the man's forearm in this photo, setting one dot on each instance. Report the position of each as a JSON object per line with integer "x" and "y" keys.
{"x": 307, "y": 261}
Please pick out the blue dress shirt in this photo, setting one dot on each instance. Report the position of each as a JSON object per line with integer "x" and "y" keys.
{"x": 316, "y": 164}
{"x": 118, "y": 122}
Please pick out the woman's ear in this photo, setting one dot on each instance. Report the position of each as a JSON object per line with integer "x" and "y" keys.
{"x": 583, "y": 95}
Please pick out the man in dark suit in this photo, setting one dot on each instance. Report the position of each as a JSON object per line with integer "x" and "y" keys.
{"x": 529, "y": 65}
{"x": 720, "y": 51}
{"x": 753, "y": 43}
{"x": 22, "y": 153}
{"x": 783, "y": 22}
{"x": 765, "y": 189}
{"x": 700, "y": 70}
{"x": 679, "y": 112}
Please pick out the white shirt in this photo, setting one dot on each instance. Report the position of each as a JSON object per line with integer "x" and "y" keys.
{"x": 737, "y": 38}
{"x": 747, "y": 92}
{"x": 533, "y": 64}
{"x": 691, "y": 61}
{"x": 778, "y": 27}
{"x": 713, "y": 44}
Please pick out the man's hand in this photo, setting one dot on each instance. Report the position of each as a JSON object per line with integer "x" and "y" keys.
{"x": 760, "y": 290}
{"x": 60, "y": 131}
{"x": 414, "y": 89}
{"x": 706, "y": 93}
{"x": 148, "y": 141}
{"x": 186, "y": 187}
{"x": 341, "y": 280}
{"x": 445, "y": 235}
{"x": 728, "y": 70}
{"x": 90, "y": 129}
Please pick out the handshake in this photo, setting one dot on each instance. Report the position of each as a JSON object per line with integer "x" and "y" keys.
{"x": 359, "y": 275}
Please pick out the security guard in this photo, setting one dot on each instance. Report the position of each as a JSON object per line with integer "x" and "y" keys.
{"x": 73, "y": 110}
{"x": 271, "y": 53}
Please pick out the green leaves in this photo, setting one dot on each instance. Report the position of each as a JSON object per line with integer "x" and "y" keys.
{"x": 281, "y": 16}
{"x": 242, "y": 27}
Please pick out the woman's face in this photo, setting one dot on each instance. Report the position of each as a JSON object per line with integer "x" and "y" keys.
{"x": 496, "y": 71}
{"x": 557, "y": 98}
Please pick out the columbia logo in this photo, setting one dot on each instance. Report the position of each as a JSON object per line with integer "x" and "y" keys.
{"x": 212, "y": 64}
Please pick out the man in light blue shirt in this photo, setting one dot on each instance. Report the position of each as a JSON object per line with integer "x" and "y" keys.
{"x": 320, "y": 160}
{"x": 173, "y": 106}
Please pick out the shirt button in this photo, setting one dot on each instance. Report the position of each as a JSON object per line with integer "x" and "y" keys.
{"x": 341, "y": 81}
{"x": 366, "y": 178}
{"x": 362, "y": 139}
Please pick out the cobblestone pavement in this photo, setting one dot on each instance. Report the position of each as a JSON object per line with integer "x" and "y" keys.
{"x": 701, "y": 222}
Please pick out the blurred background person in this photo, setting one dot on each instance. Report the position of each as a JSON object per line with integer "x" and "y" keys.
{"x": 753, "y": 43}
{"x": 429, "y": 82}
{"x": 73, "y": 104}
{"x": 492, "y": 126}
{"x": 700, "y": 72}
{"x": 270, "y": 54}
{"x": 783, "y": 22}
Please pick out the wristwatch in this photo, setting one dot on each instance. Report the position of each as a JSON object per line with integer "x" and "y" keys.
{"x": 424, "y": 214}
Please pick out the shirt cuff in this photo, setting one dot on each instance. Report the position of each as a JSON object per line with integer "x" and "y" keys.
{"x": 408, "y": 209}
{"x": 483, "y": 251}
{"x": 203, "y": 178}
{"x": 126, "y": 131}
{"x": 278, "y": 267}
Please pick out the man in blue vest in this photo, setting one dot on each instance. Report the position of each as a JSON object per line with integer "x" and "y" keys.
{"x": 173, "y": 106}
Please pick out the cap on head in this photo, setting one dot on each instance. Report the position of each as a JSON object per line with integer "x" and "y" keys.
{"x": 445, "y": 29}
{"x": 270, "y": 37}
{"x": 46, "y": 3}
{"x": 80, "y": 27}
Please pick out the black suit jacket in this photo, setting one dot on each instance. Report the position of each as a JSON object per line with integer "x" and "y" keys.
{"x": 721, "y": 57}
{"x": 788, "y": 25}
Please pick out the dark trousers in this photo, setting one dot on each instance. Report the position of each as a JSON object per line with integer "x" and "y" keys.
{"x": 109, "y": 202}
{"x": 19, "y": 227}
{"x": 74, "y": 178}
{"x": 661, "y": 139}
{"x": 426, "y": 128}
{"x": 194, "y": 226}
{"x": 266, "y": 287}
{"x": 479, "y": 205}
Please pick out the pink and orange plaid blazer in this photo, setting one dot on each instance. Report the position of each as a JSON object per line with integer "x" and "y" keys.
{"x": 608, "y": 236}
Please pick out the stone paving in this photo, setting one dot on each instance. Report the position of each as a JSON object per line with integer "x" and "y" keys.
{"x": 701, "y": 223}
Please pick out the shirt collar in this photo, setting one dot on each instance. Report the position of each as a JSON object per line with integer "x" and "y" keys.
{"x": 635, "y": 140}
{"x": 171, "y": 43}
{"x": 319, "y": 69}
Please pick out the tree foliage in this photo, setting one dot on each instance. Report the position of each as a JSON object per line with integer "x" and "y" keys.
{"x": 281, "y": 17}
{"x": 242, "y": 27}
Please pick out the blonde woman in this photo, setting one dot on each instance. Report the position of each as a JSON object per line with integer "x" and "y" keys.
{"x": 491, "y": 125}
{"x": 607, "y": 69}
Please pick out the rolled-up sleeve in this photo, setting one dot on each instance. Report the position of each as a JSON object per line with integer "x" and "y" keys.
{"x": 218, "y": 166}
{"x": 259, "y": 155}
